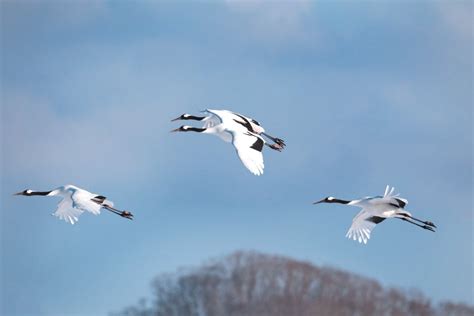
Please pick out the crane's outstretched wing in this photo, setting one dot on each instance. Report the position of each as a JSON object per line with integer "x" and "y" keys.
{"x": 362, "y": 226}
{"x": 393, "y": 199}
{"x": 211, "y": 120}
{"x": 74, "y": 204}
{"x": 214, "y": 117}
{"x": 66, "y": 210}
{"x": 253, "y": 125}
{"x": 229, "y": 118}
{"x": 249, "y": 149}
{"x": 388, "y": 191}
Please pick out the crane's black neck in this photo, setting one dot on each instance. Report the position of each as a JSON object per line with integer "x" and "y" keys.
{"x": 38, "y": 193}
{"x": 339, "y": 201}
{"x": 195, "y": 118}
{"x": 195, "y": 129}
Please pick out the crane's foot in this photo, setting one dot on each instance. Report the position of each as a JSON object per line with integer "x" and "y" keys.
{"x": 429, "y": 228}
{"x": 431, "y": 224}
{"x": 280, "y": 142}
{"x": 127, "y": 214}
{"x": 276, "y": 147}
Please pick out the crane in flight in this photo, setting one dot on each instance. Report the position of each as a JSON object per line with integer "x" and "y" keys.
{"x": 75, "y": 201}
{"x": 374, "y": 211}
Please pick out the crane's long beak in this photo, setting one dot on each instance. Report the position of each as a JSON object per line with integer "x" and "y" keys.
{"x": 319, "y": 201}
{"x": 176, "y": 119}
{"x": 175, "y": 130}
{"x": 19, "y": 193}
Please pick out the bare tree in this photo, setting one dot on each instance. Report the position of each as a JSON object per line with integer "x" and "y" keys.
{"x": 254, "y": 284}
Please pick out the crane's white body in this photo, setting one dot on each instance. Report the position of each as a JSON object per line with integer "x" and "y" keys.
{"x": 382, "y": 207}
{"x": 214, "y": 118}
{"x": 75, "y": 201}
{"x": 229, "y": 126}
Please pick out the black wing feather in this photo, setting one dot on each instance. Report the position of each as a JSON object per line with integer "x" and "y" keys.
{"x": 375, "y": 219}
{"x": 258, "y": 145}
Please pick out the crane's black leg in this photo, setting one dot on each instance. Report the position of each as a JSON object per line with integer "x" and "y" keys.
{"x": 111, "y": 210}
{"x": 274, "y": 146}
{"x": 124, "y": 214}
{"x": 278, "y": 141}
{"x": 422, "y": 226}
{"x": 420, "y": 221}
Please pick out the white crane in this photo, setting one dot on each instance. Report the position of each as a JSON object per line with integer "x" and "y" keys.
{"x": 242, "y": 132}
{"x": 75, "y": 201}
{"x": 375, "y": 210}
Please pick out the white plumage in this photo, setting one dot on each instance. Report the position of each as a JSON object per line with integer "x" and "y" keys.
{"x": 374, "y": 211}
{"x": 247, "y": 144}
{"x": 249, "y": 149}
{"x": 74, "y": 202}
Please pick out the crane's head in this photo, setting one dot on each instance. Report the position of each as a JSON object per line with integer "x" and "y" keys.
{"x": 183, "y": 128}
{"x": 331, "y": 199}
{"x": 328, "y": 199}
{"x": 25, "y": 192}
{"x": 184, "y": 116}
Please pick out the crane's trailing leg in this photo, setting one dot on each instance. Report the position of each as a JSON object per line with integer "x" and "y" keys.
{"x": 279, "y": 143}
{"x": 424, "y": 222}
{"x": 125, "y": 214}
{"x": 422, "y": 226}
{"x": 275, "y": 147}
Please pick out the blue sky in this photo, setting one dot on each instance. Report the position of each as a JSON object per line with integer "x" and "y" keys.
{"x": 364, "y": 93}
